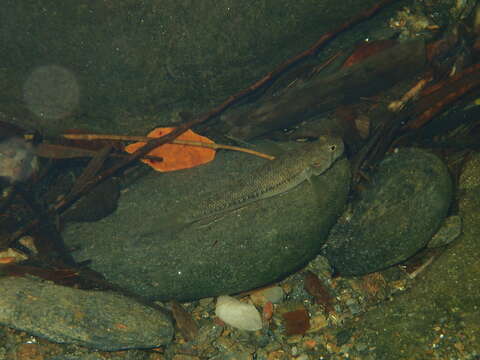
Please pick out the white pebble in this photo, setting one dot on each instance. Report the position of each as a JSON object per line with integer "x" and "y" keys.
{"x": 238, "y": 314}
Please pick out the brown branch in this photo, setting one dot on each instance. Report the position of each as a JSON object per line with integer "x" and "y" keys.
{"x": 449, "y": 90}
{"x": 437, "y": 98}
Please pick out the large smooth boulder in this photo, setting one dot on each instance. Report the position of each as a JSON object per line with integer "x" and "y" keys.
{"x": 243, "y": 249}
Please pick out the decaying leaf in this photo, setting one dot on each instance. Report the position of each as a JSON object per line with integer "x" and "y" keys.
{"x": 297, "y": 322}
{"x": 367, "y": 49}
{"x": 185, "y": 323}
{"x": 176, "y": 156}
{"x": 314, "y": 287}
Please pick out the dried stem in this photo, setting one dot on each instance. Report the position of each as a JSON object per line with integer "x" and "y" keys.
{"x": 176, "y": 141}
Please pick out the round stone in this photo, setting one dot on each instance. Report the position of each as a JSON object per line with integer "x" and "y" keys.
{"x": 395, "y": 216}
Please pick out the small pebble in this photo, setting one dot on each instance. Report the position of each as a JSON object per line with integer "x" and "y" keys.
{"x": 238, "y": 314}
{"x": 274, "y": 294}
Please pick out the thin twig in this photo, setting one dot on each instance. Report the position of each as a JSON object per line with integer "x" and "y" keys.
{"x": 214, "y": 146}
{"x": 463, "y": 83}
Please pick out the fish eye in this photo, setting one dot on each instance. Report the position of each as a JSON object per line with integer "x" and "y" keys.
{"x": 333, "y": 147}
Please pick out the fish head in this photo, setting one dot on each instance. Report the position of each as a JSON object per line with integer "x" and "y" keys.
{"x": 324, "y": 153}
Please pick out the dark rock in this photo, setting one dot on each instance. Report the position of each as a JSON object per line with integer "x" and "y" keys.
{"x": 95, "y": 319}
{"x": 247, "y": 248}
{"x": 396, "y": 216}
{"x": 446, "y": 296}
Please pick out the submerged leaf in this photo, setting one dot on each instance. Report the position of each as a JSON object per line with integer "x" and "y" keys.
{"x": 176, "y": 156}
{"x": 314, "y": 287}
{"x": 185, "y": 322}
{"x": 297, "y": 322}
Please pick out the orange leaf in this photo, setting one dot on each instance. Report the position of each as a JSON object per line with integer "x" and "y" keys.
{"x": 176, "y": 156}
{"x": 7, "y": 260}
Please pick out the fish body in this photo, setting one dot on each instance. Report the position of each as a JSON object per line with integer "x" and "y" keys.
{"x": 275, "y": 177}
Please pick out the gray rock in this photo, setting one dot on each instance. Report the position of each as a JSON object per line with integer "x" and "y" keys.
{"x": 396, "y": 216}
{"x": 448, "y": 232}
{"x": 450, "y": 287}
{"x": 95, "y": 319}
{"x": 246, "y": 248}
